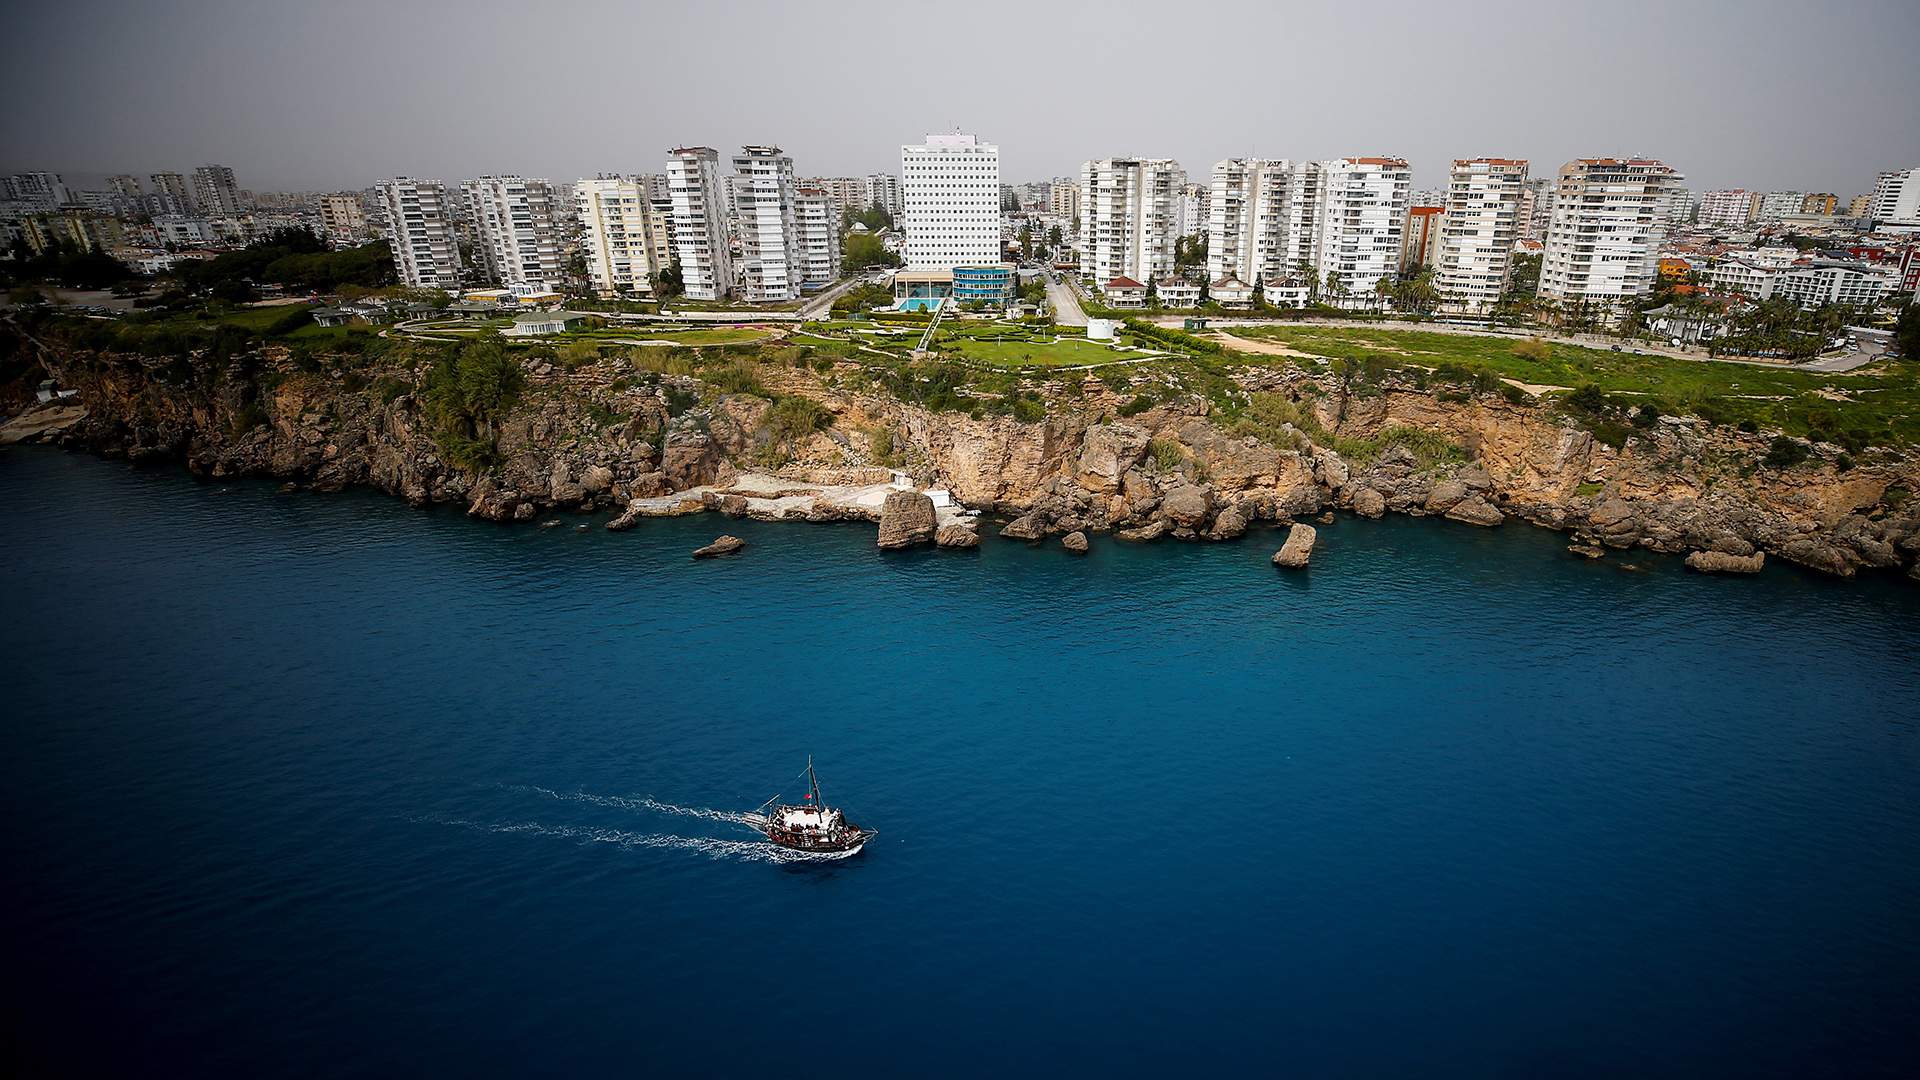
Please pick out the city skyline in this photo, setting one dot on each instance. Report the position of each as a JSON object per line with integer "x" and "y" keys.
{"x": 323, "y": 105}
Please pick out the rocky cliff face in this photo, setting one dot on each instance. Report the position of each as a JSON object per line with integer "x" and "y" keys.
{"x": 607, "y": 433}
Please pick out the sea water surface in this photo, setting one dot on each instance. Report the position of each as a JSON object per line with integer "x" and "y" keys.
{"x": 302, "y": 785}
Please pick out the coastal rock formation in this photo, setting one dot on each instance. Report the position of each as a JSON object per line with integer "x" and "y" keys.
{"x": 1074, "y": 541}
{"x": 1298, "y": 548}
{"x": 906, "y": 519}
{"x": 615, "y": 435}
{"x": 725, "y": 545}
{"x": 1719, "y": 562}
{"x": 1475, "y": 510}
{"x": 1027, "y": 527}
{"x": 1187, "y": 506}
{"x": 1369, "y": 503}
{"x": 956, "y": 535}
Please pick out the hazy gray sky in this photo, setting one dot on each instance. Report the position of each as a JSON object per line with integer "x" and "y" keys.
{"x": 340, "y": 93}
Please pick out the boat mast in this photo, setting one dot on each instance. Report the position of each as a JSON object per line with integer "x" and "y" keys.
{"x": 813, "y": 784}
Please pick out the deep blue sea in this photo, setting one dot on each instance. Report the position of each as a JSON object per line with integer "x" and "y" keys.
{"x": 321, "y": 785}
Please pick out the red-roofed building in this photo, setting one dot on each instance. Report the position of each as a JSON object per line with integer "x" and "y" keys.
{"x": 1124, "y": 292}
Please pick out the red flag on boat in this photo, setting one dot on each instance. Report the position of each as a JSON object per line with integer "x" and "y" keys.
{"x": 809, "y": 794}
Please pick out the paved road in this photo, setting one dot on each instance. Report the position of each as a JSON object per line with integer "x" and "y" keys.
{"x": 1066, "y": 306}
{"x": 1867, "y": 346}
{"x": 818, "y": 306}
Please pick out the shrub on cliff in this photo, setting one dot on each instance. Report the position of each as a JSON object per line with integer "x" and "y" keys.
{"x": 1785, "y": 453}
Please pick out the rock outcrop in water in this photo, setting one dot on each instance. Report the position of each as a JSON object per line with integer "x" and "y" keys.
{"x": 725, "y": 545}
{"x": 609, "y": 435}
{"x": 1298, "y": 549}
{"x": 906, "y": 518}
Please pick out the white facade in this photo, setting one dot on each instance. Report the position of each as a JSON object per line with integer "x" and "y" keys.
{"x": 883, "y": 191}
{"x": 1609, "y": 219}
{"x": 1130, "y": 211}
{"x": 819, "y": 222}
{"x": 215, "y": 191}
{"x": 419, "y": 226}
{"x": 1263, "y": 219}
{"x": 1363, "y": 207}
{"x": 170, "y": 194}
{"x": 699, "y": 222}
{"x": 1729, "y": 208}
{"x": 624, "y": 240}
{"x": 1477, "y": 232}
{"x": 1681, "y": 209}
{"x": 1833, "y": 282}
{"x": 950, "y": 202}
{"x": 1536, "y": 208}
{"x": 1775, "y": 205}
{"x": 1896, "y": 197}
{"x": 772, "y": 265}
{"x": 515, "y": 233}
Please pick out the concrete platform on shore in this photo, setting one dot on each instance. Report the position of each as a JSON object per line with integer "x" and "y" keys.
{"x": 766, "y": 497}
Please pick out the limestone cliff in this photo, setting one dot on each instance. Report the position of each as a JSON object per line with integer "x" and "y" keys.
{"x": 604, "y": 433}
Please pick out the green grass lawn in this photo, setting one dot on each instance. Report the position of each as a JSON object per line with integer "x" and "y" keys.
{"x": 1019, "y": 353}
{"x": 1883, "y": 400}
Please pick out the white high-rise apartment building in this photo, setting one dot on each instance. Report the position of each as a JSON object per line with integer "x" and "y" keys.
{"x": 950, "y": 202}
{"x": 1131, "y": 218}
{"x": 1775, "y": 205}
{"x": 771, "y": 263}
{"x": 1896, "y": 197}
{"x": 847, "y": 192}
{"x": 1194, "y": 204}
{"x": 515, "y": 232}
{"x": 1609, "y": 219}
{"x": 1477, "y": 232}
{"x": 883, "y": 191}
{"x": 170, "y": 194}
{"x": 1729, "y": 208}
{"x": 624, "y": 240}
{"x": 342, "y": 218}
{"x": 819, "y": 222}
{"x": 1536, "y": 208}
{"x": 1253, "y": 232}
{"x": 699, "y": 222}
{"x": 1684, "y": 205}
{"x": 420, "y": 228}
{"x": 1363, "y": 208}
{"x": 215, "y": 191}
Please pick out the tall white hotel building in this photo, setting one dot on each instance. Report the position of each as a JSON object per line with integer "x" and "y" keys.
{"x": 1131, "y": 210}
{"x": 419, "y": 226}
{"x": 1609, "y": 219}
{"x": 700, "y": 222}
{"x": 1477, "y": 232}
{"x": 950, "y": 202}
{"x": 1342, "y": 219}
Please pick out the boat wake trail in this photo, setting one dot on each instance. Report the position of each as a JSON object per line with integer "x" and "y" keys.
{"x": 730, "y": 817}
{"x": 742, "y": 850}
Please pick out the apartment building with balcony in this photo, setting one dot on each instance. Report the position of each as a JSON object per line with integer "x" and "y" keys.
{"x": 1363, "y": 209}
{"x": 772, "y": 265}
{"x": 215, "y": 192}
{"x": 343, "y": 219}
{"x": 819, "y": 222}
{"x": 1896, "y": 197}
{"x": 1728, "y": 208}
{"x": 1775, "y": 205}
{"x": 1477, "y": 232}
{"x": 623, "y": 235}
{"x": 1609, "y": 219}
{"x": 516, "y": 234}
{"x": 419, "y": 224}
{"x": 699, "y": 223}
{"x": 883, "y": 190}
{"x": 1130, "y": 218}
{"x": 1420, "y": 240}
{"x": 950, "y": 202}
